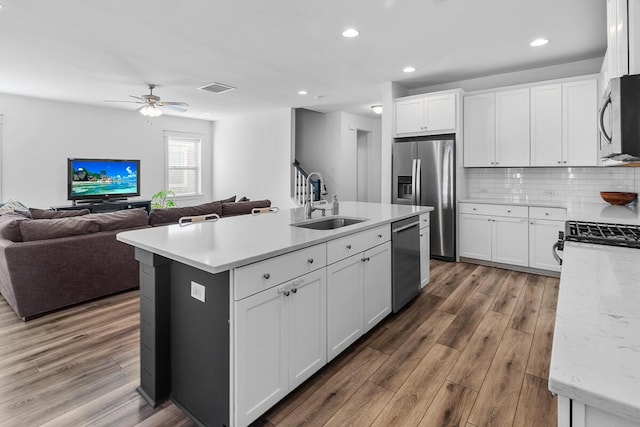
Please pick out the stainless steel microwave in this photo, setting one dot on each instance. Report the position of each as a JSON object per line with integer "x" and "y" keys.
{"x": 619, "y": 120}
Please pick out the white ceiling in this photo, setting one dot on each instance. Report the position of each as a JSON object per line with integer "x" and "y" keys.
{"x": 89, "y": 51}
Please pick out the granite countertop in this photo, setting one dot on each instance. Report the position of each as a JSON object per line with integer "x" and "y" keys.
{"x": 595, "y": 212}
{"x": 231, "y": 242}
{"x": 596, "y": 345}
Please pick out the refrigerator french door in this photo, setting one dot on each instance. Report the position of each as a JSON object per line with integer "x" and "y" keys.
{"x": 424, "y": 175}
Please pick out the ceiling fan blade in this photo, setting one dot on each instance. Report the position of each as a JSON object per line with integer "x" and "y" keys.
{"x": 174, "y": 107}
{"x": 136, "y": 97}
{"x": 129, "y": 102}
{"x": 179, "y": 104}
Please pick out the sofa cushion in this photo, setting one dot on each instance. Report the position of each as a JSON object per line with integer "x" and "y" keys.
{"x": 229, "y": 200}
{"x": 172, "y": 215}
{"x": 49, "y": 213}
{"x": 119, "y": 220}
{"x": 10, "y": 226}
{"x": 243, "y": 208}
{"x": 43, "y": 229}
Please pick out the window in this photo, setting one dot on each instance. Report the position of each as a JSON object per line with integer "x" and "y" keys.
{"x": 183, "y": 164}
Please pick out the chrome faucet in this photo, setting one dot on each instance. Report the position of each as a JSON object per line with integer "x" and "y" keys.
{"x": 308, "y": 203}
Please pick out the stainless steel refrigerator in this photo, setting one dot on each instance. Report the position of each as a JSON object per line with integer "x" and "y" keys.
{"x": 424, "y": 174}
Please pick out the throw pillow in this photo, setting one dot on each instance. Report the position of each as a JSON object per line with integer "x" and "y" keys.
{"x": 10, "y": 226}
{"x": 49, "y": 213}
{"x": 243, "y": 208}
{"x": 243, "y": 199}
{"x": 229, "y": 200}
{"x": 12, "y": 206}
{"x": 44, "y": 229}
{"x": 172, "y": 215}
{"x": 119, "y": 220}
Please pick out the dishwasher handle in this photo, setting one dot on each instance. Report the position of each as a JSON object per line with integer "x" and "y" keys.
{"x": 405, "y": 227}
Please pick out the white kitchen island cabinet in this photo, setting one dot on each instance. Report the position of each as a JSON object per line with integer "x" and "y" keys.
{"x": 236, "y": 313}
{"x": 286, "y": 326}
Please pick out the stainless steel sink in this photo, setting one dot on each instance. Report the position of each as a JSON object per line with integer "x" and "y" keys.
{"x": 329, "y": 223}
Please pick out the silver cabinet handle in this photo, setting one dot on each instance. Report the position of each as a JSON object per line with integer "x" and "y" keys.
{"x": 348, "y": 246}
{"x": 546, "y": 213}
{"x": 508, "y": 211}
{"x": 266, "y": 275}
{"x": 310, "y": 260}
{"x": 294, "y": 290}
{"x": 379, "y": 236}
{"x": 559, "y": 162}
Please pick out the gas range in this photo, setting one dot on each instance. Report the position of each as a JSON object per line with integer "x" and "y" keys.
{"x": 602, "y": 233}
{"x": 599, "y": 233}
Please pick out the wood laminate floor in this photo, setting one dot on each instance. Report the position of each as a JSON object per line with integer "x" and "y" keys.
{"x": 472, "y": 350}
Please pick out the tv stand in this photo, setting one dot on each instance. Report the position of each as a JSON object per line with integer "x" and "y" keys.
{"x": 106, "y": 206}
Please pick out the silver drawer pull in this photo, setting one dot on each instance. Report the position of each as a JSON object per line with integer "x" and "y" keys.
{"x": 310, "y": 260}
{"x": 266, "y": 275}
{"x": 546, "y": 213}
{"x": 348, "y": 246}
{"x": 508, "y": 211}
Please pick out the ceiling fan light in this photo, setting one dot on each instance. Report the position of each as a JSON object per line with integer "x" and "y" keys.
{"x": 150, "y": 111}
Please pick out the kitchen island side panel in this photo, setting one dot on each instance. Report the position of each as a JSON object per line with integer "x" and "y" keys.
{"x": 200, "y": 343}
{"x": 155, "y": 367}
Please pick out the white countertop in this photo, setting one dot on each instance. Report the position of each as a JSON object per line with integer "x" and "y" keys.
{"x": 230, "y": 242}
{"x": 595, "y": 212}
{"x": 596, "y": 344}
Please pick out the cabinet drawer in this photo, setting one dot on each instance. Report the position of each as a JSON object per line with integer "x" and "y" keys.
{"x": 349, "y": 245}
{"x": 536, "y": 212}
{"x": 515, "y": 211}
{"x": 256, "y": 277}
{"x": 424, "y": 220}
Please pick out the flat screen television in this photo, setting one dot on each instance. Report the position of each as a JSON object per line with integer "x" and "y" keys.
{"x": 102, "y": 179}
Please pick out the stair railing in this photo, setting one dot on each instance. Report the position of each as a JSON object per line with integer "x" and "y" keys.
{"x": 300, "y": 185}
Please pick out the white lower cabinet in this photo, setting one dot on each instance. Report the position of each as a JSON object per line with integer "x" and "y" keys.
{"x": 572, "y": 413}
{"x": 280, "y": 342}
{"x": 510, "y": 234}
{"x": 358, "y": 296}
{"x": 425, "y": 256}
{"x": 542, "y": 235}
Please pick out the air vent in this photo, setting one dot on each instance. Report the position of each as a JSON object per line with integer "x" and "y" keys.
{"x": 217, "y": 87}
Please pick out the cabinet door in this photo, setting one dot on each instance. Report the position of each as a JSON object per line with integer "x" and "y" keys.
{"x": 546, "y": 125}
{"x": 475, "y": 236}
{"x": 440, "y": 112}
{"x": 542, "y": 235}
{"x": 345, "y": 304}
{"x": 307, "y": 324}
{"x": 425, "y": 256}
{"x": 410, "y": 116}
{"x": 510, "y": 241}
{"x": 377, "y": 284}
{"x": 512, "y": 128}
{"x": 579, "y": 118}
{"x": 261, "y": 353}
{"x": 479, "y": 130}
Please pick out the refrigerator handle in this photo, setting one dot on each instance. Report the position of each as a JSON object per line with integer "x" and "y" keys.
{"x": 413, "y": 181}
{"x": 417, "y": 194}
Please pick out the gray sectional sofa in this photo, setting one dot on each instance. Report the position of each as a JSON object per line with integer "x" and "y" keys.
{"x": 53, "y": 262}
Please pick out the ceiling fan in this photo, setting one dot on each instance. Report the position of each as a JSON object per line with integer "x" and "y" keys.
{"x": 151, "y": 104}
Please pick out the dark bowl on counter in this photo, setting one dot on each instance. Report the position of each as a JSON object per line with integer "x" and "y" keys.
{"x": 618, "y": 197}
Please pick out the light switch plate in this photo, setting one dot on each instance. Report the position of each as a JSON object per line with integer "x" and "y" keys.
{"x": 197, "y": 291}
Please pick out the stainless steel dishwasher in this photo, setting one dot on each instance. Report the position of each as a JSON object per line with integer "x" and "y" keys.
{"x": 405, "y": 255}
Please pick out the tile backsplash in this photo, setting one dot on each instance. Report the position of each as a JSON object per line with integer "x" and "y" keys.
{"x": 565, "y": 185}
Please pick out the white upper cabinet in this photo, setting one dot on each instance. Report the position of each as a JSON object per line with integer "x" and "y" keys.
{"x": 428, "y": 114}
{"x": 579, "y": 123}
{"x": 479, "y": 130}
{"x": 546, "y": 125}
{"x": 563, "y": 124}
{"x": 512, "y": 128}
{"x": 496, "y": 129}
{"x": 623, "y": 39}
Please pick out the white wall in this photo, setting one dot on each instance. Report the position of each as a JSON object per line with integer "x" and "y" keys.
{"x": 39, "y": 135}
{"x": 347, "y": 155}
{"x": 252, "y": 157}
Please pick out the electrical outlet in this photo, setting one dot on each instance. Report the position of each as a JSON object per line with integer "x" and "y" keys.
{"x": 197, "y": 291}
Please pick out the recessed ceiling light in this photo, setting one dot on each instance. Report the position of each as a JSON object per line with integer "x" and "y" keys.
{"x": 377, "y": 109}
{"x": 538, "y": 42}
{"x": 350, "y": 32}
{"x": 409, "y": 69}
{"x": 302, "y": 92}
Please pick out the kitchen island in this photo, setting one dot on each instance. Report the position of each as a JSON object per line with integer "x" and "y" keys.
{"x": 236, "y": 313}
{"x": 595, "y": 361}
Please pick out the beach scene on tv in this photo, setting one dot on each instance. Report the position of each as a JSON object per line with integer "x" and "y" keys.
{"x": 99, "y": 178}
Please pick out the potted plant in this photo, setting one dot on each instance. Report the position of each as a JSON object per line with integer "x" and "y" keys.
{"x": 161, "y": 199}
